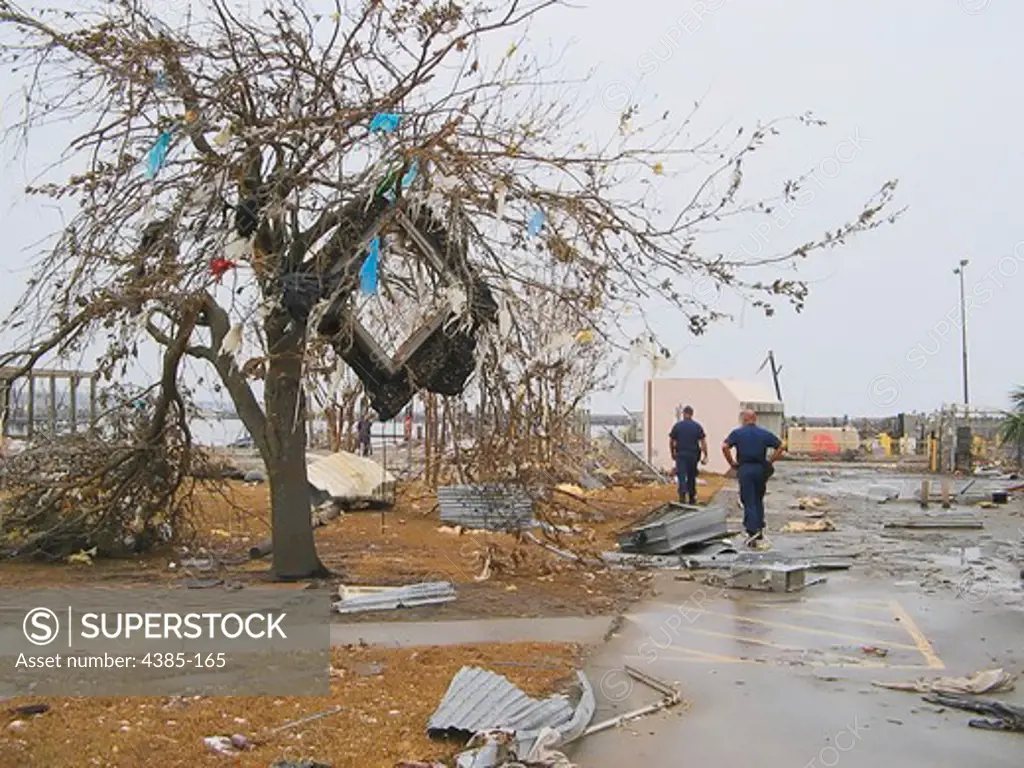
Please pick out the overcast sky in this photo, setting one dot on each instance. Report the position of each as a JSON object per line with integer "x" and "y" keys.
{"x": 920, "y": 90}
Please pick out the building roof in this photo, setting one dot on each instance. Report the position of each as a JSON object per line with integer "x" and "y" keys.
{"x": 750, "y": 391}
{"x": 743, "y": 390}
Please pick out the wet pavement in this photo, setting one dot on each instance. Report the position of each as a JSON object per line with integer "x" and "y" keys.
{"x": 583, "y": 630}
{"x": 784, "y": 680}
{"x": 781, "y": 680}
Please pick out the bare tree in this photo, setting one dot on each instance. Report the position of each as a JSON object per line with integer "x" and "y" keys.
{"x": 231, "y": 173}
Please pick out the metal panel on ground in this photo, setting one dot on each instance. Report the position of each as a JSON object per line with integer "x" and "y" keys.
{"x": 359, "y": 599}
{"x": 673, "y": 526}
{"x": 492, "y": 507}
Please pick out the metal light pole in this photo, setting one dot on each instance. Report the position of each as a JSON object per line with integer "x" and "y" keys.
{"x": 963, "y": 325}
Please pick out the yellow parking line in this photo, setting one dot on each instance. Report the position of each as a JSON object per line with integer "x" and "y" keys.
{"x": 813, "y": 631}
{"x": 754, "y": 641}
{"x": 851, "y": 619}
{"x": 820, "y": 664}
{"x": 740, "y": 638}
{"x": 923, "y": 645}
{"x": 694, "y": 652}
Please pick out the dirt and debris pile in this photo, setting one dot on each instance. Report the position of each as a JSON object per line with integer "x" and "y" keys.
{"x": 83, "y": 497}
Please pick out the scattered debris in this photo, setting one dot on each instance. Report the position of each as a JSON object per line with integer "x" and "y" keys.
{"x": 368, "y": 669}
{"x": 491, "y": 507}
{"x": 670, "y": 694}
{"x": 262, "y": 549}
{"x": 82, "y": 558}
{"x": 314, "y": 764}
{"x": 883, "y": 493}
{"x": 551, "y": 548}
{"x": 31, "y": 709}
{"x": 772, "y": 577}
{"x": 307, "y": 719}
{"x": 485, "y": 573}
{"x": 937, "y": 521}
{"x": 326, "y": 512}
{"x": 358, "y": 599}
{"x": 79, "y": 498}
{"x": 987, "y": 681}
{"x": 350, "y": 478}
{"x": 673, "y": 526}
{"x": 726, "y": 558}
{"x": 202, "y": 583}
{"x": 223, "y": 745}
{"x": 500, "y": 720}
{"x": 873, "y": 650}
{"x": 811, "y": 502}
{"x": 201, "y": 564}
{"x": 571, "y": 490}
{"x": 487, "y": 749}
{"x": 1006, "y": 717}
{"x": 803, "y": 526}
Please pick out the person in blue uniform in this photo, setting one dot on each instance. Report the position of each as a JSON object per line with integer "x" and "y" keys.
{"x": 753, "y": 468}
{"x": 688, "y": 444}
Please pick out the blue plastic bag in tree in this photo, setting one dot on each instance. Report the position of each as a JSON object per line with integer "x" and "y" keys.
{"x": 410, "y": 175}
{"x": 385, "y": 121}
{"x": 368, "y": 273}
{"x": 158, "y": 155}
{"x": 536, "y": 223}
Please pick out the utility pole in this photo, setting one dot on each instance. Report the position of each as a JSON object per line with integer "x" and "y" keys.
{"x": 963, "y": 326}
{"x": 770, "y": 360}
{"x": 774, "y": 374}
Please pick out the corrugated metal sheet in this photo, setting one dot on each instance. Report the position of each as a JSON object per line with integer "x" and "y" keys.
{"x": 478, "y": 700}
{"x": 494, "y": 507}
{"x": 673, "y": 526}
{"x": 727, "y": 559}
{"x": 347, "y": 476}
{"x": 358, "y": 599}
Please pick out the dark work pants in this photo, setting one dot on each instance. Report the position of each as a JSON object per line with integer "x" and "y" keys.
{"x": 686, "y": 474}
{"x": 752, "y": 488}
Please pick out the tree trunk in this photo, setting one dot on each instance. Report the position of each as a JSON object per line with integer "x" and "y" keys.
{"x": 295, "y": 554}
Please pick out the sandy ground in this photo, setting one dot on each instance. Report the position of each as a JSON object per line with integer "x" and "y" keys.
{"x": 406, "y": 544}
{"x": 387, "y": 697}
{"x": 384, "y": 714}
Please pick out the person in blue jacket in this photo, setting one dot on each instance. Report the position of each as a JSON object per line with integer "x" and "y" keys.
{"x": 688, "y": 444}
{"x": 753, "y": 468}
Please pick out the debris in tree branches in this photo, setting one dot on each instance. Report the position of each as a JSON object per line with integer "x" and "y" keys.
{"x": 536, "y": 223}
{"x": 368, "y": 273}
{"x": 158, "y": 155}
{"x": 385, "y": 122}
{"x": 218, "y": 267}
{"x": 107, "y": 498}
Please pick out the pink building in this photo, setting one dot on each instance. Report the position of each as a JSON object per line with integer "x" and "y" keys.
{"x": 716, "y": 404}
